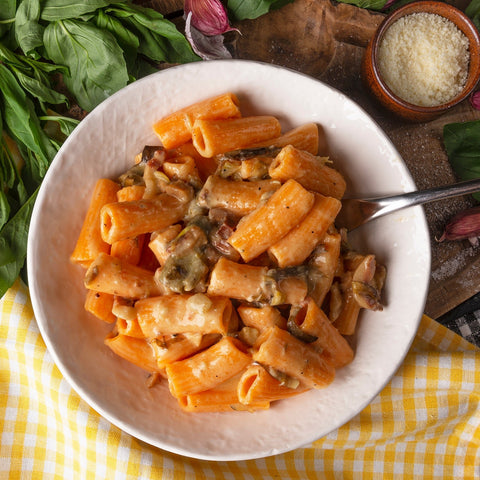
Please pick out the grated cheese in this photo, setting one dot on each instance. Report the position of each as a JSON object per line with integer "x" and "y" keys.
{"x": 423, "y": 58}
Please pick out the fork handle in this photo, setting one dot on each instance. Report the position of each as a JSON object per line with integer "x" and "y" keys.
{"x": 391, "y": 204}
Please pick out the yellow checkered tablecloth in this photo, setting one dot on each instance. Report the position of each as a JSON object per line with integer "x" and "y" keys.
{"x": 424, "y": 425}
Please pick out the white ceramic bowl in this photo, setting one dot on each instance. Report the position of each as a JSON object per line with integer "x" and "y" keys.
{"x": 104, "y": 145}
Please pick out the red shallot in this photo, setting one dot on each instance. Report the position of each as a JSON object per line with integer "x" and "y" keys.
{"x": 464, "y": 225}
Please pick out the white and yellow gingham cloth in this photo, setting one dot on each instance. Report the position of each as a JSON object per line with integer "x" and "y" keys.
{"x": 424, "y": 425}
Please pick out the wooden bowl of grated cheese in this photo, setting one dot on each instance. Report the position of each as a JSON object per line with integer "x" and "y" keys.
{"x": 423, "y": 59}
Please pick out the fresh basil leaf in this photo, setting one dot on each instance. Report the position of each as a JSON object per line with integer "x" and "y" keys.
{"x": 10, "y": 57}
{"x": 462, "y": 144}
{"x": 7, "y": 16}
{"x": 243, "y": 9}
{"x": 127, "y": 40}
{"x": 7, "y": 11}
{"x": 14, "y": 236}
{"x": 28, "y": 31}
{"x": 6, "y": 254}
{"x": 93, "y": 56}
{"x": 10, "y": 179}
{"x": 63, "y": 9}
{"x": 369, "y": 4}
{"x": 159, "y": 38}
{"x": 142, "y": 68}
{"x": 31, "y": 172}
{"x": 65, "y": 124}
{"x": 7, "y": 171}
{"x": 40, "y": 90}
{"x": 44, "y": 66}
{"x": 473, "y": 11}
{"x": 23, "y": 124}
{"x": 4, "y": 209}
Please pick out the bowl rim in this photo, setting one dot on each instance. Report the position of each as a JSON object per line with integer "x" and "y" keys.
{"x": 461, "y": 20}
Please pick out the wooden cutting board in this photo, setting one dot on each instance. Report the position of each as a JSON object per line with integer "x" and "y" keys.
{"x": 326, "y": 40}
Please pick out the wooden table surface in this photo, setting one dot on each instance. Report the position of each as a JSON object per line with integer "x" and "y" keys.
{"x": 326, "y": 40}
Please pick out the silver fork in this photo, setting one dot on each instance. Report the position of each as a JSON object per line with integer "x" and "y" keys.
{"x": 356, "y": 211}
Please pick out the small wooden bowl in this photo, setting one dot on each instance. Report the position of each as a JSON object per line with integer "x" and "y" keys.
{"x": 372, "y": 78}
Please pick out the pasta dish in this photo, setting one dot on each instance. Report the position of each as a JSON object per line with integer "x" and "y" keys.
{"x": 217, "y": 262}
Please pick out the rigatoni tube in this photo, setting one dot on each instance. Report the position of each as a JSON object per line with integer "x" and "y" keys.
{"x": 298, "y": 244}
{"x": 115, "y": 276}
{"x": 280, "y": 350}
{"x": 90, "y": 242}
{"x": 309, "y": 170}
{"x": 122, "y": 220}
{"x": 236, "y": 196}
{"x": 212, "y": 137}
{"x": 257, "y": 385}
{"x": 266, "y": 225}
{"x": 183, "y": 313}
{"x": 313, "y": 321}
{"x": 176, "y": 129}
{"x": 209, "y": 368}
{"x": 237, "y": 280}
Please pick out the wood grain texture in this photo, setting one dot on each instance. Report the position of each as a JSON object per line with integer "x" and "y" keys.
{"x": 326, "y": 40}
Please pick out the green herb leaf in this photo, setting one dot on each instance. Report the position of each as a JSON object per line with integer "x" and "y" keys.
{"x": 28, "y": 31}
{"x": 4, "y": 209}
{"x": 93, "y": 56}
{"x": 13, "y": 240}
{"x": 66, "y": 124}
{"x": 10, "y": 179}
{"x": 473, "y": 11}
{"x": 44, "y": 66}
{"x": 142, "y": 68}
{"x": 6, "y": 254}
{"x": 40, "y": 89}
{"x": 127, "y": 40}
{"x": 462, "y": 143}
{"x": 243, "y": 9}
{"x": 368, "y": 4}
{"x": 23, "y": 124}
{"x": 10, "y": 57}
{"x": 63, "y": 9}
{"x": 159, "y": 38}
{"x": 7, "y": 16}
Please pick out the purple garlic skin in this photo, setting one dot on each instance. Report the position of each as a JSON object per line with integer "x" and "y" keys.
{"x": 464, "y": 225}
{"x": 208, "y": 16}
{"x": 205, "y": 23}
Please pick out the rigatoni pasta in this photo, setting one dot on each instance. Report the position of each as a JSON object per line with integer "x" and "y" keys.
{"x": 269, "y": 223}
{"x": 90, "y": 242}
{"x": 217, "y": 262}
{"x": 176, "y": 129}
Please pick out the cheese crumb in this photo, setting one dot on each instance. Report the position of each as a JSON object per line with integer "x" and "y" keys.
{"x": 423, "y": 58}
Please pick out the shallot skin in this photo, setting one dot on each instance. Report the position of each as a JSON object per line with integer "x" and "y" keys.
{"x": 464, "y": 225}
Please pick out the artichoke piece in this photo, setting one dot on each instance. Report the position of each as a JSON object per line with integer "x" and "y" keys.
{"x": 228, "y": 168}
{"x": 186, "y": 266}
{"x": 133, "y": 176}
{"x": 245, "y": 154}
{"x": 183, "y": 273}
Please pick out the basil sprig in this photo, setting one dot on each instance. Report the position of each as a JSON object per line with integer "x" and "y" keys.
{"x": 104, "y": 44}
{"x": 462, "y": 144}
{"x": 26, "y": 150}
{"x": 97, "y": 47}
